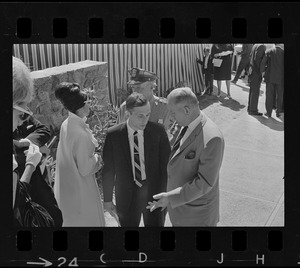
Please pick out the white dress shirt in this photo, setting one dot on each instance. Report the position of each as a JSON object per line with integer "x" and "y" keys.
{"x": 189, "y": 130}
{"x": 205, "y": 62}
{"x": 140, "y": 135}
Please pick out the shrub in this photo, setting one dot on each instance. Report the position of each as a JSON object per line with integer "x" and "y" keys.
{"x": 101, "y": 117}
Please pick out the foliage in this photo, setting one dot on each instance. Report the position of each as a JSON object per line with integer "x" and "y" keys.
{"x": 101, "y": 117}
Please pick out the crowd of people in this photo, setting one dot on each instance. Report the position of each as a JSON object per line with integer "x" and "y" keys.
{"x": 163, "y": 155}
{"x": 258, "y": 62}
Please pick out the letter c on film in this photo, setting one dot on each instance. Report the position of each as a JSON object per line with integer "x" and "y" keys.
{"x": 101, "y": 258}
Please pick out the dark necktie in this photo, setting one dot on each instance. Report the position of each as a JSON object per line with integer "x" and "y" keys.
{"x": 177, "y": 142}
{"x": 137, "y": 164}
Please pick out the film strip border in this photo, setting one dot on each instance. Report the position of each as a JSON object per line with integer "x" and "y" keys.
{"x": 152, "y": 246}
{"x": 182, "y": 246}
{"x": 147, "y": 22}
{"x": 166, "y": 29}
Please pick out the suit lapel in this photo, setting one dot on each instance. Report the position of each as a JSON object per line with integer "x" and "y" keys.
{"x": 125, "y": 143}
{"x": 147, "y": 146}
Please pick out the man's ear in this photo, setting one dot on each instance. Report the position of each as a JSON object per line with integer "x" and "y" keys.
{"x": 186, "y": 109}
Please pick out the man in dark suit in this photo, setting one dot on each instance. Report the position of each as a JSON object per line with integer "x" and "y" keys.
{"x": 273, "y": 66}
{"x": 244, "y": 62}
{"x": 256, "y": 56}
{"x": 135, "y": 156}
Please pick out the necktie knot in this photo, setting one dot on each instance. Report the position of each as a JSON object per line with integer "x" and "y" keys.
{"x": 177, "y": 142}
{"x": 183, "y": 131}
{"x": 181, "y": 134}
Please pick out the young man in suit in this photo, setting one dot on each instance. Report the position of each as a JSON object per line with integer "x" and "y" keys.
{"x": 135, "y": 157}
{"x": 192, "y": 196}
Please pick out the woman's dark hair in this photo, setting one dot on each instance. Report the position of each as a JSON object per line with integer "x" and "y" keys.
{"x": 71, "y": 96}
{"x": 135, "y": 100}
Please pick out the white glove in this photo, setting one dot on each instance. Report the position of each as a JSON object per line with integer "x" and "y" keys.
{"x": 33, "y": 155}
{"x": 23, "y": 142}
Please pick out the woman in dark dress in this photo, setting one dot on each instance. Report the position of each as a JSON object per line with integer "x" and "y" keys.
{"x": 224, "y": 52}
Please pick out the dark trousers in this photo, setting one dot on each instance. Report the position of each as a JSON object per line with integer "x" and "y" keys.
{"x": 137, "y": 207}
{"x": 209, "y": 81}
{"x": 271, "y": 90}
{"x": 242, "y": 65}
{"x": 255, "y": 82}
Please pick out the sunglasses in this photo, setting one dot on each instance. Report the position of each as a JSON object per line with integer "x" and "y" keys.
{"x": 25, "y": 112}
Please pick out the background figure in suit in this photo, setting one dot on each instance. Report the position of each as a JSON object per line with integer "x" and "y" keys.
{"x": 207, "y": 67}
{"x": 273, "y": 66}
{"x": 33, "y": 132}
{"x": 135, "y": 156}
{"x": 256, "y": 56}
{"x": 244, "y": 62}
{"x": 192, "y": 196}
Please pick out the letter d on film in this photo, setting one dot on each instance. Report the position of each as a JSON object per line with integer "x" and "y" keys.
{"x": 141, "y": 260}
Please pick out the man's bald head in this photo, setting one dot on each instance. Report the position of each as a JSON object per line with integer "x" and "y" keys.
{"x": 183, "y": 105}
{"x": 183, "y": 95}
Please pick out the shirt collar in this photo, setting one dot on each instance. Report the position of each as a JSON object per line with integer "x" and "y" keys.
{"x": 194, "y": 123}
{"x": 131, "y": 130}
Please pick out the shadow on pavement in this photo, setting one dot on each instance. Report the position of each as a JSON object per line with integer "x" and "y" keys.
{"x": 232, "y": 104}
{"x": 206, "y": 100}
{"x": 270, "y": 122}
{"x": 247, "y": 89}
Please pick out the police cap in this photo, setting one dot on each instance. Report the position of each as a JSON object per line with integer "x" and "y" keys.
{"x": 139, "y": 76}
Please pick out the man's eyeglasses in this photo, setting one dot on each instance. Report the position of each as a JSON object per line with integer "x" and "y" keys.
{"x": 25, "y": 112}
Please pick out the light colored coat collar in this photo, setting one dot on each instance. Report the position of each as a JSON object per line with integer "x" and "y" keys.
{"x": 193, "y": 135}
{"x": 81, "y": 122}
{"x": 77, "y": 119}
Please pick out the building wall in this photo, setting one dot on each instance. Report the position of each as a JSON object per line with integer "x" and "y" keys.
{"x": 46, "y": 108}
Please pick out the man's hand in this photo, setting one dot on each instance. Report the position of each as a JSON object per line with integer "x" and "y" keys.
{"x": 163, "y": 201}
{"x": 111, "y": 209}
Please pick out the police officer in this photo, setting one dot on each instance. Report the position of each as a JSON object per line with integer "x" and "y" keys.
{"x": 144, "y": 82}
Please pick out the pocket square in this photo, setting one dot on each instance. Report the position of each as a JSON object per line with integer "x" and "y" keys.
{"x": 190, "y": 155}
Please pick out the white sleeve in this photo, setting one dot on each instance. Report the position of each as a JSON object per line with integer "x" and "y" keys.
{"x": 86, "y": 159}
{"x": 15, "y": 164}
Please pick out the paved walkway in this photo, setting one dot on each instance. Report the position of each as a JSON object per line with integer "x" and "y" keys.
{"x": 252, "y": 188}
{"x": 251, "y": 184}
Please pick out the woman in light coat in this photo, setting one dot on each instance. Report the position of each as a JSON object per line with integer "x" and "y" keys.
{"x": 75, "y": 185}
